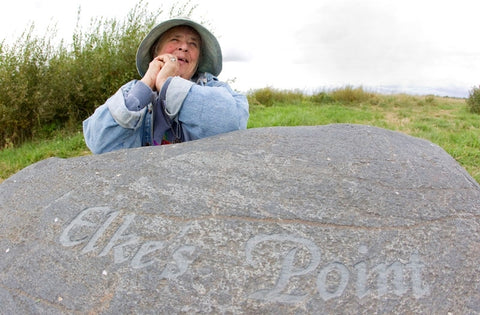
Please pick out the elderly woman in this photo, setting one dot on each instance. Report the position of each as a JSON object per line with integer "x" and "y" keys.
{"x": 179, "y": 97}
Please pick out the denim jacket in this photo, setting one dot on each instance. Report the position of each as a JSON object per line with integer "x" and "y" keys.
{"x": 204, "y": 107}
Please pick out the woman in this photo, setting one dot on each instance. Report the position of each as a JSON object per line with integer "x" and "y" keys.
{"x": 179, "y": 97}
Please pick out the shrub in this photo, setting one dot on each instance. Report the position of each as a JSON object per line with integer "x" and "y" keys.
{"x": 473, "y": 100}
{"x": 22, "y": 70}
{"x": 321, "y": 98}
{"x": 430, "y": 99}
{"x": 268, "y": 96}
{"x": 261, "y": 97}
{"x": 349, "y": 94}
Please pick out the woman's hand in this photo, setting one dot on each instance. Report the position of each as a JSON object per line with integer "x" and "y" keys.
{"x": 170, "y": 68}
{"x": 154, "y": 68}
{"x": 159, "y": 69}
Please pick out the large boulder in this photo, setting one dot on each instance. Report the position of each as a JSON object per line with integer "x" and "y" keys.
{"x": 326, "y": 219}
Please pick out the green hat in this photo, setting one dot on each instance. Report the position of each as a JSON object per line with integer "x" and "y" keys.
{"x": 210, "y": 52}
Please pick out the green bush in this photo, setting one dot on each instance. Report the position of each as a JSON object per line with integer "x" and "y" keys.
{"x": 261, "y": 97}
{"x": 321, "y": 98}
{"x": 349, "y": 94}
{"x": 473, "y": 100}
{"x": 268, "y": 96}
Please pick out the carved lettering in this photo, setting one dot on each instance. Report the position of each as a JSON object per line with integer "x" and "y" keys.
{"x": 383, "y": 272}
{"x": 91, "y": 244}
{"x": 416, "y": 266}
{"x": 77, "y": 223}
{"x": 103, "y": 231}
{"x": 334, "y": 278}
{"x": 145, "y": 249}
{"x": 288, "y": 267}
{"x": 92, "y": 226}
{"x": 344, "y": 275}
{"x": 361, "y": 285}
{"x": 128, "y": 239}
{"x": 183, "y": 259}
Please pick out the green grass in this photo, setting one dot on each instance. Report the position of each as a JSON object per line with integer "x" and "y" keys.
{"x": 444, "y": 121}
{"x": 64, "y": 146}
{"x": 309, "y": 114}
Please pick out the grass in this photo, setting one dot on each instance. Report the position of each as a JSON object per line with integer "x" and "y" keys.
{"x": 444, "y": 121}
{"x": 61, "y": 145}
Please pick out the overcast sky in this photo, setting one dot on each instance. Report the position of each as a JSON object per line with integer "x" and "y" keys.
{"x": 413, "y": 46}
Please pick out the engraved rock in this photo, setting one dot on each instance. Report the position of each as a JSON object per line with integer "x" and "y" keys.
{"x": 326, "y": 219}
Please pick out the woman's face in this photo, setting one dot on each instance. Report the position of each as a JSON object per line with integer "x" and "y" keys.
{"x": 184, "y": 43}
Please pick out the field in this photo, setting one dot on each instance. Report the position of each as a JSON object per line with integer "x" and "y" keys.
{"x": 444, "y": 121}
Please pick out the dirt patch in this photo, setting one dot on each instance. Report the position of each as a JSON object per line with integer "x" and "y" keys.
{"x": 394, "y": 119}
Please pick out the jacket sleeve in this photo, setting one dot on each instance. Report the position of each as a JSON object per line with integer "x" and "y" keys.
{"x": 113, "y": 126}
{"x": 208, "y": 109}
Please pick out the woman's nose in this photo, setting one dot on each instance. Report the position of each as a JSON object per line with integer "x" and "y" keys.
{"x": 183, "y": 47}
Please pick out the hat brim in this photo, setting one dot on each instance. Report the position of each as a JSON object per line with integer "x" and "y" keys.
{"x": 210, "y": 55}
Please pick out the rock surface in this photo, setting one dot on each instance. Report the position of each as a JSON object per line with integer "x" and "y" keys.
{"x": 326, "y": 219}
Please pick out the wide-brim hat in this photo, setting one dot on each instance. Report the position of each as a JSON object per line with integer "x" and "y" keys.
{"x": 210, "y": 51}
